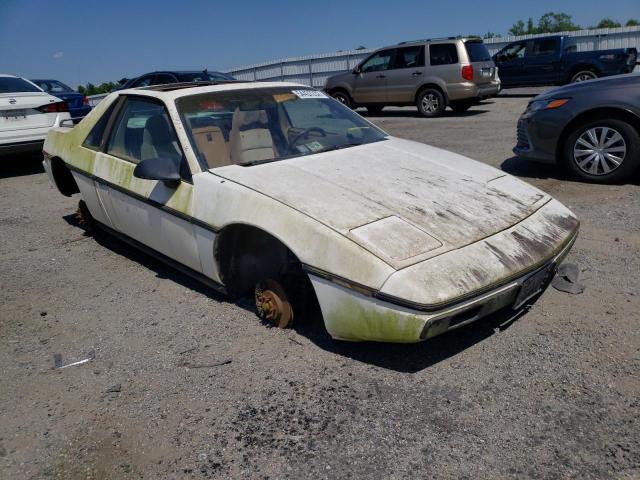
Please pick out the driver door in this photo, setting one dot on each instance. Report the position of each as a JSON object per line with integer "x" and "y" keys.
{"x": 371, "y": 80}
{"x": 148, "y": 211}
{"x": 510, "y": 63}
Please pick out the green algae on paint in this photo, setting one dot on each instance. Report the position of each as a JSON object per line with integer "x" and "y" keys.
{"x": 354, "y": 320}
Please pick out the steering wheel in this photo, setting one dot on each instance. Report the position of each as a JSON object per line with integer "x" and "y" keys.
{"x": 306, "y": 132}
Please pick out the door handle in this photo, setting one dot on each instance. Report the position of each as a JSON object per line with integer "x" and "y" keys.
{"x": 380, "y": 76}
{"x": 415, "y": 74}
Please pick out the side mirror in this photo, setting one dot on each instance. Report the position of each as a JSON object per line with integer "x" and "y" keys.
{"x": 356, "y": 71}
{"x": 501, "y": 58}
{"x": 162, "y": 168}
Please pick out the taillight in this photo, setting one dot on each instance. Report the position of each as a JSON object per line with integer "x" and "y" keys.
{"x": 54, "y": 107}
{"x": 467, "y": 72}
{"x": 85, "y": 100}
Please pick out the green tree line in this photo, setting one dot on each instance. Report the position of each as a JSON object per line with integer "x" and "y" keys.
{"x": 552, "y": 22}
{"x": 91, "y": 89}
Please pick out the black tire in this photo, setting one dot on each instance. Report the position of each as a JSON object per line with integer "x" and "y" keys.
{"x": 374, "y": 109}
{"x": 579, "y": 158}
{"x": 343, "y": 97}
{"x": 584, "y": 75}
{"x": 85, "y": 220}
{"x": 460, "y": 106}
{"x": 430, "y": 103}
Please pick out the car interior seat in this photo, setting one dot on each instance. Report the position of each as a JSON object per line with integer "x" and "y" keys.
{"x": 250, "y": 138}
{"x": 159, "y": 140}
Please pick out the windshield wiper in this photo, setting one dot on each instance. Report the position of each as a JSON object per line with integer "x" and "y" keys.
{"x": 339, "y": 147}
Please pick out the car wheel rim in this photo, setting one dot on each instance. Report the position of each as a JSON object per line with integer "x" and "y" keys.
{"x": 583, "y": 77}
{"x": 430, "y": 103}
{"x": 272, "y": 304}
{"x": 599, "y": 151}
{"x": 341, "y": 98}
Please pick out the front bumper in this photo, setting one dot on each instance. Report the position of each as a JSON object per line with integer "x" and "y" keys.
{"x": 354, "y": 316}
{"x": 538, "y": 134}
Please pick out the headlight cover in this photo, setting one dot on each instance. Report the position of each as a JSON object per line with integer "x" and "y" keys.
{"x": 548, "y": 104}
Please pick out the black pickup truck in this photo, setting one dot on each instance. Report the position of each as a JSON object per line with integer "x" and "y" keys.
{"x": 555, "y": 61}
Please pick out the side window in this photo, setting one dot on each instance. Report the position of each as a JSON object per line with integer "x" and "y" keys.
{"x": 94, "y": 139}
{"x": 142, "y": 82}
{"x": 443, "y": 54}
{"x": 378, "y": 62}
{"x": 410, "y": 57}
{"x": 142, "y": 131}
{"x": 163, "y": 78}
{"x": 517, "y": 50}
{"x": 544, "y": 47}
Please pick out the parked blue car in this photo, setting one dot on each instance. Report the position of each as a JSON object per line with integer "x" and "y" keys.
{"x": 78, "y": 103}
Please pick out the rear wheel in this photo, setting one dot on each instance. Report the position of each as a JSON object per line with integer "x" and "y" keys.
{"x": 583, "y": 76}
{"x": 343, "y": 98}
{"x": 84, "y": 218}
{"x": 430, "y": 103}
{"x": 460, "y": 106}
{"x": 603, "y": 151}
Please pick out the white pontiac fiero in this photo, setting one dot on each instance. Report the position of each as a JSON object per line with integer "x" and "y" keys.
{"x": 276, "y": 189}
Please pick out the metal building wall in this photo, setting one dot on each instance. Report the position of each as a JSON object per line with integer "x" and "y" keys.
{"x": 315, "y": 69}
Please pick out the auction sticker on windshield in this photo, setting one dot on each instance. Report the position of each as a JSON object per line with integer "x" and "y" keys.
{"x": 308, "y": 94}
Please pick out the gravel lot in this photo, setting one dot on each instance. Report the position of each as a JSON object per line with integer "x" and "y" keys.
{"x": 553, "y": 394}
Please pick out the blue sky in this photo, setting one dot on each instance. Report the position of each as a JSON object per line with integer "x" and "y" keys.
{"x": 97, "y": 41}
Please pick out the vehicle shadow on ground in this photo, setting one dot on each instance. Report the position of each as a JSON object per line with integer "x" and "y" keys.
{"x": 20, "y": 165}
{"x": 518, "y": 95}
{"x": 414, "y": 357}
{"x": 542, "y": 171}
{"x": 161, "y": 269}
{"x": 414, "y": 114}
{"x": 408, "y": 358}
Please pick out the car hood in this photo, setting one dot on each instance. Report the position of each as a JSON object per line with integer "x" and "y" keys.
{"x": 618, "y": 81}
{"x": 401, "y": 200}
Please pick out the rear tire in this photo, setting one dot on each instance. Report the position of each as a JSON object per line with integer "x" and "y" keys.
{"x": 460, "y": 106}
{"x": 85, "y": 220}
{"x": 603, "y": 151}
{"x": 430, "y": 103}
{"x": 342, "y": 97}
{"x": 583, "y": 76}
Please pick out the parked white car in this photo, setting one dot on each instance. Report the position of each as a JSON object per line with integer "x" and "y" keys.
{"x": 27, "y": 114}
{"x": 274, "y": 187}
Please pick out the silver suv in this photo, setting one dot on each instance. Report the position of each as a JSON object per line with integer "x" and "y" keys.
{"x": 430, "y": 74}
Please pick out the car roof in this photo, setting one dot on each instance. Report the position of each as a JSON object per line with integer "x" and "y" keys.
{"x": 177, "y": 90}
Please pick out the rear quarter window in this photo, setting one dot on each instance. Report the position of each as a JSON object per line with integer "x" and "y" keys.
{"x": 94, "y": 139}
{"x": 477, "y": 52}
{"x": 15, "y": 85}
{"x": 443, "y": 54}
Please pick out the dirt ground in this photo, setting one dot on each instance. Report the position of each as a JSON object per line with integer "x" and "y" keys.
{"x": 553, "y": 394}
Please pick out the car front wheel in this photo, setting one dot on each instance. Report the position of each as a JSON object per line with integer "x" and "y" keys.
{"x": 430, "y": 103}
{"x": 603, "y": 151}
{"x": 343, "y": 98}
{"x": 583, "y": 76}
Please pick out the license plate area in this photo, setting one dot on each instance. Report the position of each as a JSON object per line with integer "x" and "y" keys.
{"x": 486, "y": 72}
{"x": 534, "y": 285}
{"x": 18, "y": 114}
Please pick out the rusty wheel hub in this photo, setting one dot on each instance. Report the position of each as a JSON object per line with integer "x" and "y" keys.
{"x": 272, "y": 304}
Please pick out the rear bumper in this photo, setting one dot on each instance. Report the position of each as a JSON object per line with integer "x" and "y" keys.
{"x": 471, "y": 90}
{"x": 21, "y": 147}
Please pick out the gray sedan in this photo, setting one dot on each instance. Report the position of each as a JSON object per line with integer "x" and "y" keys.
{"x": 591, "y": 128}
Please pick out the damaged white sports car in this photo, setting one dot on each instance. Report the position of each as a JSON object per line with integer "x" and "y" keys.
{"x": 277, "y": 189}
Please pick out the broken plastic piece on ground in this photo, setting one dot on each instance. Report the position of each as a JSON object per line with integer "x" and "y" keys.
{"x": 57, "y": 360}
{"x": 566, "y": 279}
